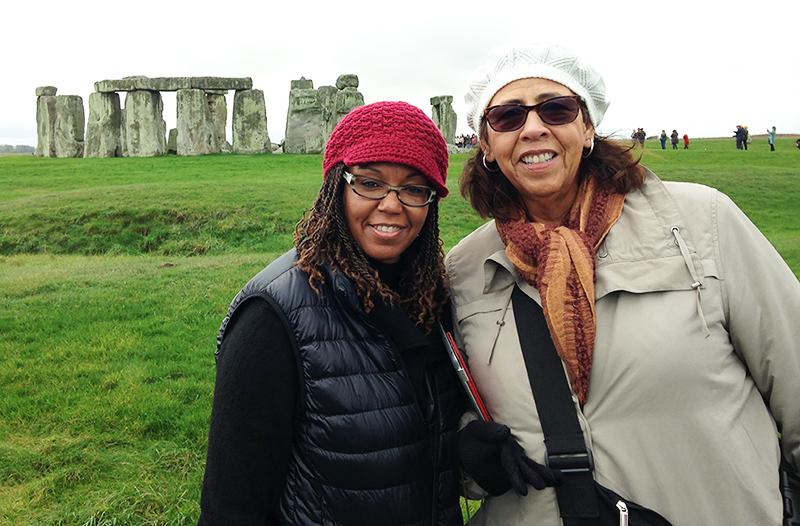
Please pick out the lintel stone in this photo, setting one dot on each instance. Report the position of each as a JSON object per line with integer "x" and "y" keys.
{"x": 46, "y": 91}
{"x": 173, "y": 83}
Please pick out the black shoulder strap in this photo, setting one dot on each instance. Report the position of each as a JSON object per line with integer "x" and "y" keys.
{"x": 566, "y": 448}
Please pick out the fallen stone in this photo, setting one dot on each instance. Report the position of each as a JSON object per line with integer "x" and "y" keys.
{"x": 45, "y": 126}
{"x": 104, "y": 127}
{"x": 46, "y": 90}
{"x": 196, "y": 133}
{"x": 69, "y": 126}
{"x": 347, "y": 81}
{"x": 145, "y": 128}
{"x": 250, "y": 122}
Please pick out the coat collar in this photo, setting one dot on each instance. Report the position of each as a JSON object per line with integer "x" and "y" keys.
{"x": 643, "y": 233}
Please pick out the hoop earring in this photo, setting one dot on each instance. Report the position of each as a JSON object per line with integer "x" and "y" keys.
{"x": 483, "y": 160}
{"x": 591, "y": 149}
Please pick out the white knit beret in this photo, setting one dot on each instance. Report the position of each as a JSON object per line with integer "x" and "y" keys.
{"x": 546, "y": 61}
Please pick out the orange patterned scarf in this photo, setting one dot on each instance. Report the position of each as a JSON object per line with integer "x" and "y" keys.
{"x": 559, "y": 262}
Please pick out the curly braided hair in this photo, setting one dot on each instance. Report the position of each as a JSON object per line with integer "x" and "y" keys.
{"x": 323, "y": 238}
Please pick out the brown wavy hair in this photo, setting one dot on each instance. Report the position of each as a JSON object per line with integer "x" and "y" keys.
{"x": 492, "y": 195}
{"x": 322, "y": 238}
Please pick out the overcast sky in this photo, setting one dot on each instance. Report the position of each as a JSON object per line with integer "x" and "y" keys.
{"x": 700, "y": 67}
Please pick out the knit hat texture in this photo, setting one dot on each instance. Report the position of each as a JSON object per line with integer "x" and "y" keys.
{"x": 546, "y": 61}
{"x": 390, "y": 132}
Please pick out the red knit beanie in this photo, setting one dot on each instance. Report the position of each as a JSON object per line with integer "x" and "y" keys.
{"x": 389, "y": 132}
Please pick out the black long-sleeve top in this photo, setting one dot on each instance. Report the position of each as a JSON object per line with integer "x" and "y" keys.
{"x": 256, "y": 405}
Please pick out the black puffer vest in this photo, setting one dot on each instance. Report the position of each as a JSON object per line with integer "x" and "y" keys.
{"x": 364, "y": 451}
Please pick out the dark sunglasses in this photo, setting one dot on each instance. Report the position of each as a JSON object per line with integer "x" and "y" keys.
{"x": 555, "y": 111}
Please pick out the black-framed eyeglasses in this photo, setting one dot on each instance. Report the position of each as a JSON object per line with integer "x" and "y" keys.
{"x": 375, "y": 189}
{"x": 555, "y": 111}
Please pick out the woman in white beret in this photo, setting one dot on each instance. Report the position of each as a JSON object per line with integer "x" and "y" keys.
{"x": 674, "y": 320}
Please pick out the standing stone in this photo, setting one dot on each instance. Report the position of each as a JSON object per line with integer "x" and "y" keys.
{"x": 45, "y": 125}
{"x": 104, "y": 126}
{"x": 69, "y": 126}
{"x": 218, "y": 107}
{"x": 123, "y": 134}
{"x": 145, "y": 128}
{"x": 327, "y": 101}
{"x": 304, "y": 122}
{"x": 347, "y": 99}
{"x": 172, "y": 141}
{"x": 444, "y": 117}
{"x": 196, "y": 133}
{"x": 250, "y": 122}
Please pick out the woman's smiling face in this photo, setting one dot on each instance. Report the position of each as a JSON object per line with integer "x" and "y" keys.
{"x": 384, "y": 228}
{"x": 540, "y": 160}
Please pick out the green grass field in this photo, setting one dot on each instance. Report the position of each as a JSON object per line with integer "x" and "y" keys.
{"x": 115, "y": 273}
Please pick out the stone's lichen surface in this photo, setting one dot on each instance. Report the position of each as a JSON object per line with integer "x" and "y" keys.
{"x": 250, "y": 122}
{"x": 69, "y": 126}
{"x": 196, "y": 131}
{"x": 173, "y": 83}
{"x": 444, "y": 116}
{"x": 145, "y": 129}
{"x": 302, "y": 83}
{"x": 104, "y": 129}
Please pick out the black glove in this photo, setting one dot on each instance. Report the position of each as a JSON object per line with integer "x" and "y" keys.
{"x": 495, "y": 460}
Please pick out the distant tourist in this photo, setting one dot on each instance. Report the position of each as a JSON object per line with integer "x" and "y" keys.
{"x": 771, "y": 139}
{"x": 674, "y": 139}
{"x": 685, "y": 141}
{"x": 739, "y": 134}
{"x": 335, "y": 400}
{"x": 667, "y": 318}
{"x": 745, "y": 137}
{"x": 663, "y": 138}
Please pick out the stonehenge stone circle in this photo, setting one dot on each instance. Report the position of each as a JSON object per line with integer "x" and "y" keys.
{"x": 145, "y": 129}
{"x": 444, "y": 116}
{"x": 69, "y": 126}
{"x": 45, "y": 122}
{"x": 197, "y": 134}
{"x": 313, "y": 113}
{"x": 104, "y": 128}
{"x": 249, "y": 122}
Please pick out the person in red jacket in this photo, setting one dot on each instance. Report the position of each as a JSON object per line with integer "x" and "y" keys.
{"x": 685, "y": 141}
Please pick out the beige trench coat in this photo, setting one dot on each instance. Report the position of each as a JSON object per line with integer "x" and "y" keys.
{"x": 688, "y": 389}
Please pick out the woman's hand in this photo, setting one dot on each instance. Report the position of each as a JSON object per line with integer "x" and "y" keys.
{"x": 494, "y": 459}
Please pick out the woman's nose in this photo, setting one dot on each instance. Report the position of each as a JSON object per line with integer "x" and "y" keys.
{"x": 391, "y": 202}
{"x": 534, "y": 126}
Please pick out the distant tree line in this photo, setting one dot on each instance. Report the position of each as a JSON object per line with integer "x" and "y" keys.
{"x": 19, "y": 148}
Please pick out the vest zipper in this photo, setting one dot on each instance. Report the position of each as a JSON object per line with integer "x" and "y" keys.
{"x": 623, "y": 513}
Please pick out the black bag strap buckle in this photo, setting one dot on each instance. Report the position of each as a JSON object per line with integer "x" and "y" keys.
{"x": 570, "y": 462}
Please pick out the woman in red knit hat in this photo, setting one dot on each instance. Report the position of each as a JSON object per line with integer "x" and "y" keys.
{"x": 335, "y": 402}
